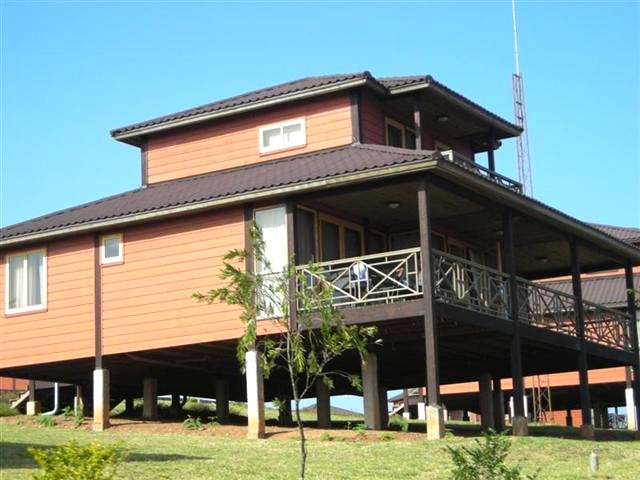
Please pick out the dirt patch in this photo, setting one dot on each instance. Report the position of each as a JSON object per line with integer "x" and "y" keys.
{"x": 128, "y": 425}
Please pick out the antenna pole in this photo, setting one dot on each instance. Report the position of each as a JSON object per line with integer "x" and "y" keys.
{"x": 515, "y": 35}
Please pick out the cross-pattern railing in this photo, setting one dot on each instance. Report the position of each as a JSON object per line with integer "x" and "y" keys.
{"x": 606, "y": 326}
{"x": 467, "y": 284}
{"x": 393, "y": 276}
{"x": 547, "y": 308}
{"x": 378, "y": 278}
{"x": 495, "y": 177}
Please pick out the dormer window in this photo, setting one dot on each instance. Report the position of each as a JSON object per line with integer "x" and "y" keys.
{"x": 278, "y": 136}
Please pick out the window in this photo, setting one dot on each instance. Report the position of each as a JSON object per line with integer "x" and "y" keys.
{"x": 111, "y": 249}
{"x": 278, "y": 136}
{"x": 305, "y": 235}
{"x": 272, "y": 224}
{"x": 339, "y": 238}
{"x": 399, "y": 135}
{"x": 26, "y": 281}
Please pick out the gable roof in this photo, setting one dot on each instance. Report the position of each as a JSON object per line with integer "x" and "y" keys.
{"x": 607, "y": 290}
{"x": 199, "y": 191}
{"x": 302, "y": 88}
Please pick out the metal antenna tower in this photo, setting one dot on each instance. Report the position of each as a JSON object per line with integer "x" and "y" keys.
{"x": 520, "y": 111}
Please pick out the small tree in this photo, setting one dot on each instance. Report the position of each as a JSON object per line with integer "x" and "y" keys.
{"x": 305, "y": 348}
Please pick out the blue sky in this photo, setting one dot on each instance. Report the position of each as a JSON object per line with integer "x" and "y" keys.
{"x": 71, "y": 71}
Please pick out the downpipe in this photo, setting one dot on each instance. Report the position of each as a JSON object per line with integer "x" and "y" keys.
{"x": 56, "y": 404}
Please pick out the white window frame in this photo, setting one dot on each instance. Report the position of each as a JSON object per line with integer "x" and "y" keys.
{"x": 111, "y": 260}
{"x": 31, "y": 308}
{"x": 281, "y": 126}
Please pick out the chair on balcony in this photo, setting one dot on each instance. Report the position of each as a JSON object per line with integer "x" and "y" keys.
{"x": 359, "y": 281}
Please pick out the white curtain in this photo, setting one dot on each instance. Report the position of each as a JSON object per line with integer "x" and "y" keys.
{"x": 35, "y": 269}
{"x": 16, "y": 282}
{"x": 272, "y": 224}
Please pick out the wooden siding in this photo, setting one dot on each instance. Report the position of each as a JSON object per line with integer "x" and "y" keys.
{"x": 66, "y": 329}
{"x": 146, "y": 300}
{"x": 233, "y": 142}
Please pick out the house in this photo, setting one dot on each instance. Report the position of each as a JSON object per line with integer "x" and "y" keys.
{"x": 383, "y": 173}
{"x": 554, "y": 398}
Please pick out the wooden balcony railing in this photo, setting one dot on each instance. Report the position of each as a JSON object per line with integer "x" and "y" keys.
{"x": 495, "y": 177}
{"x": 395, "y": 276}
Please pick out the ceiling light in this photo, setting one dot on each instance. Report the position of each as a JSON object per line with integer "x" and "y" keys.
{"x": 542, "y": 259}
{"x": 443, "y": 118}
{"x": 393, "y": 204}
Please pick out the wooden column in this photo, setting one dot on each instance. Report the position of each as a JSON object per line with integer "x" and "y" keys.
{"x": 498, "y": 405}
{"x": 417, "y": 122}
{"x": 633, "y": 330}
{"x": 491, "y": 163}
{"x": 405, "y": 401}
{"x": 222, "y": 399}
{"x": 486, "y": 402}
{"x": 435, "y": 412}
{"x": 356, "y": 117}
{"x": 519, "y": 421}
{"x": 583, "y": 368}
{"x": 291, "y": 252}
{"x": 323, "y": 404}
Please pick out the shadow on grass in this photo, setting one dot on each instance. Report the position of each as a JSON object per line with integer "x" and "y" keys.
{"x": 16, "y": 456}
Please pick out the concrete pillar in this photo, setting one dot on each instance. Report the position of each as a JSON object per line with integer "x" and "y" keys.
{"x": 78, "y": 402}
{"x": 101, "y": 400}
{"x": 33, "y": 406}
{"x": 519, "y": 424}
{"x": 435, "y": 422}
{"x": 486, "y": 402}
{"x": 632, "y": 422}
{"x": 323, "y": 404}
{"x": 255, "y": 395}
{"x": 422, "y": 412}
{"x": 222, "y": 400}
{"x": 150, "y": 398}
{"x": 498, "y": 405}
{"x": 370, "y": 392}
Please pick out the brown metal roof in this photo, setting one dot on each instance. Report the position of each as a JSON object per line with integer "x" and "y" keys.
{"x": 252, "y": 178}
{"x": 626, "y": 234}
{"x": 308, "y": 84}
{"x": 609, "y": 290}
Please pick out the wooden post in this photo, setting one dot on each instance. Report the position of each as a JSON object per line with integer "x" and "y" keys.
{"x": 435, "y": 412}
{"x": 491, "y": 153}
{"x": 417, "y": 122}
{"x": 487, "y": 420}
{"x": 633, "y": 331}
{"x": 519, "y": 420}
{"x": 291, "y": 252}
{"x": 406, "y": 413}
{"x": 498, "y": 405}
{"x": 583, "y": 368}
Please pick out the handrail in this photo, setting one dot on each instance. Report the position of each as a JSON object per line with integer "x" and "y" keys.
{"x": 360, "y": 258}
{"x": 492, "y": 175}
{"x": 545, "y": 307}
{"x": 607, "y": 326}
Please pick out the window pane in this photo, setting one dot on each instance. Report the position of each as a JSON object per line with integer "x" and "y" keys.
{"x": 400, "y": 241}
{"x": 292, "y": 134}
{"x": 352, "y": 243}
{"x": 330, "y": 241}
{"x": 305, "y": 236}
{"x": 16, "y": 282}
{"x": 35, "y": 280}
{"x": 437, "y": 242}
{"x": 271, "y": 138}
{"x": 111, "y": 247}
{"x": 394, "y": 136}
{"x": 375, "y": 243}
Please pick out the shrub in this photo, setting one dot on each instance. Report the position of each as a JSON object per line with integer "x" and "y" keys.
{"x": 71, "y": 461}
{"x": 67, "y": 412}
{"x": 7, "y": 411}
{"x": 213, "y": 421}
{"x": 46, "y": 421}
{"x": 386, "y": 436}
{"x": 192, "y": 423}
{"x": 78, "y": 418}
{"x": 485, "y": 460}
{"x": 325, "y": 437}
{"x": 396, "y": 422}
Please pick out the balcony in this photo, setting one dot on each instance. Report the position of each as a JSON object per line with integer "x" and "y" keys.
{"x": 396, "y": 276}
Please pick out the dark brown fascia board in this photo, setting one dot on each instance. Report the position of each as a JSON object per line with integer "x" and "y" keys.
{"x": 539, "y": 211}
{"x": 431, "y": 84}
{"x": 233, "y": 200}
{"x": 134, "y": 137}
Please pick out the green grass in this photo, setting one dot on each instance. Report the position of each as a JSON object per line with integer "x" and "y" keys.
{"x": 205, "y": 456}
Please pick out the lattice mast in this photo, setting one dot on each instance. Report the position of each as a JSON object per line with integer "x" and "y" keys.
{"x": 520, "y": 111}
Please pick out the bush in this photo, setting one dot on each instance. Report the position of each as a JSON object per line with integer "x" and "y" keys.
{"x": 325, "y": 437}
{"x": 71, "y": 461}
{"x": 7, "y": 411}
{"x": 192, "y": 423}
{"x": 67, "y": 412}
{"x": 396, "y": 422}
{"x": 485, "y": 460}
{"x": 78, "y": 418}
{"x": 387, "y": 436}
{"x": 47, "y": 421}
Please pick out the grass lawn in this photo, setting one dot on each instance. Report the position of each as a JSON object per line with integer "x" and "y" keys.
{"x": 211, "y": 454}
